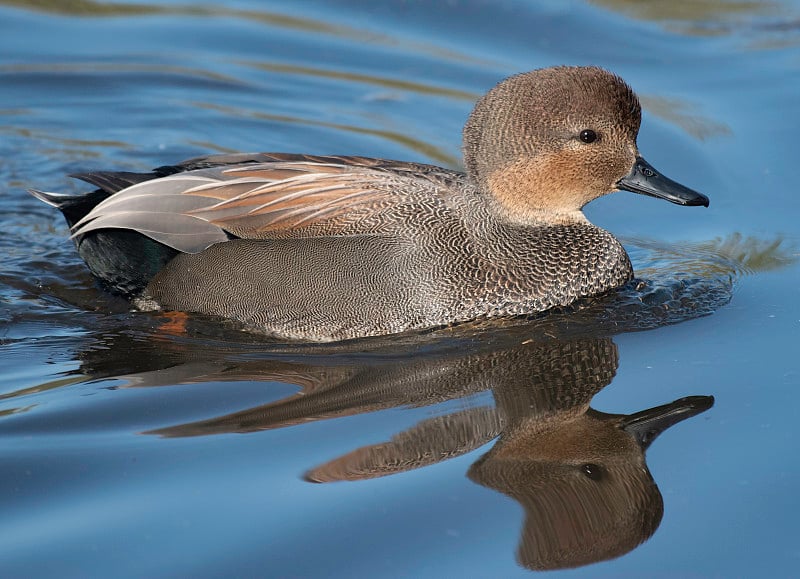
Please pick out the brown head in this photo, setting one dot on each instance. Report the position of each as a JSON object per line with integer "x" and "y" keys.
{"x": 545, "y": 143}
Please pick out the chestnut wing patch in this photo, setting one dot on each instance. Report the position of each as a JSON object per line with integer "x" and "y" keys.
{"x": 327, "y": 203}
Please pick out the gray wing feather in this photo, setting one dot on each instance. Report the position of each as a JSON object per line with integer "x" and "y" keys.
{"x": 183, "y": 232}
{"x": 264, "y": 198}
{"x": 158, "y": 210}
{"x": 161, "y": 203}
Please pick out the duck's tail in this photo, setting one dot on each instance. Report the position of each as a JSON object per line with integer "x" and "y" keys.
{"x": 123, "y": 261}
{"x": 75, "y": 207}
{"x": 54, "y": 199}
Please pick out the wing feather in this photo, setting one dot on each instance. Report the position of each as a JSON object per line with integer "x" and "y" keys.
{"x": 183, "y": 232}
{"x": 266, "y": 196}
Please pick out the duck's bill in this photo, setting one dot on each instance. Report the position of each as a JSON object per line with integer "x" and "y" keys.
{"x": 646, "y": 425}
{"x": 644, "y": 179}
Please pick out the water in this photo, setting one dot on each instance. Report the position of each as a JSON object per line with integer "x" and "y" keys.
{"x": 128, "y": 448}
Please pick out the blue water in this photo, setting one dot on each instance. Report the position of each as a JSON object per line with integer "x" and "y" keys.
{"x": 128, "y": 449}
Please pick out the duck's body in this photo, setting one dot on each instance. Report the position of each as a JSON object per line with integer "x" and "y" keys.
{"x": 329, "y": 248}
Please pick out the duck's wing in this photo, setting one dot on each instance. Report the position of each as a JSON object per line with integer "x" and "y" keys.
{"x": 268, "y": 196}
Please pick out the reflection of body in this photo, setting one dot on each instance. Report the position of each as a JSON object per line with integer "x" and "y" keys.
{"x": 328, "y": 248}
{"x": 579, "y": 474}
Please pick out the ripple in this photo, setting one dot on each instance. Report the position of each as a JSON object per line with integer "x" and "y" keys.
{"x": 104, "y": 68}
{"x": 88, "y": 8}
{"x": 734, "y": 254}
{"x": 384, "y": 82}
{"x": 414, "y": 144}
{"x": 42, "y": 135}
{"x": 683, "y": 115}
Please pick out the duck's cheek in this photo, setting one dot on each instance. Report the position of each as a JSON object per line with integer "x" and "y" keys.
{"x": 549, "y": 182}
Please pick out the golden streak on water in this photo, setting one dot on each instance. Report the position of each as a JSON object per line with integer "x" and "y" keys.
{"x": 384, "y": 82}
{"x": 89, "y": 8}
{"x": 432, "y": 152}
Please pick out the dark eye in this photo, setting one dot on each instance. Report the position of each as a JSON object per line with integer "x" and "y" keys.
{"x": 588, "y": 136}
{"x": 592, "y": 471}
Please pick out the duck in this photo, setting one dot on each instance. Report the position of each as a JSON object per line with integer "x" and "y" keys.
{"x": 324, "y": 248}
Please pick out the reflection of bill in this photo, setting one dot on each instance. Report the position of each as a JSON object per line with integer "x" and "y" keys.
{"x": 579, "y": 474}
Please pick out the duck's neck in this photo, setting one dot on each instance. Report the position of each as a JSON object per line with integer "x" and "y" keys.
{"x": 514, "y": 207}
{"x": 550, "y": 217}
{"x": 528, "y": 216}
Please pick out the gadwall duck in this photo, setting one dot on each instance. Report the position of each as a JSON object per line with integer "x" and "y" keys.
{"x": 328, "y": 248}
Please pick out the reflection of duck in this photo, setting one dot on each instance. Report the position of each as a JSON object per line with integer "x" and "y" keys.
{"x": 579, "y": 474}
{"x": 327, "y": 248}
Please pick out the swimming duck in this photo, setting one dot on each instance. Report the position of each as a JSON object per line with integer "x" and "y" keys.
{"x": 325, "y": 248}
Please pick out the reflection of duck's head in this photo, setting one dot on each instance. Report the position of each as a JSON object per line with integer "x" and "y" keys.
{"x": 583, "y": 482}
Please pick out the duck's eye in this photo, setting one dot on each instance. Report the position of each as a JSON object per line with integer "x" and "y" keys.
{"x": 588, "y": 136}
{"x": 592, "y": 471}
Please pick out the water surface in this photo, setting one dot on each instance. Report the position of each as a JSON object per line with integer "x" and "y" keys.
{"x": 130, "y": 447}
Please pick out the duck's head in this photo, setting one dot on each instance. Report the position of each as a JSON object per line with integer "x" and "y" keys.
{"x": 547, "y": 142}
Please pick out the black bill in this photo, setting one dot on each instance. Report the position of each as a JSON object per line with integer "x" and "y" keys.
{"x": 646, "y": 425}
{"x": 644, "y": 179}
